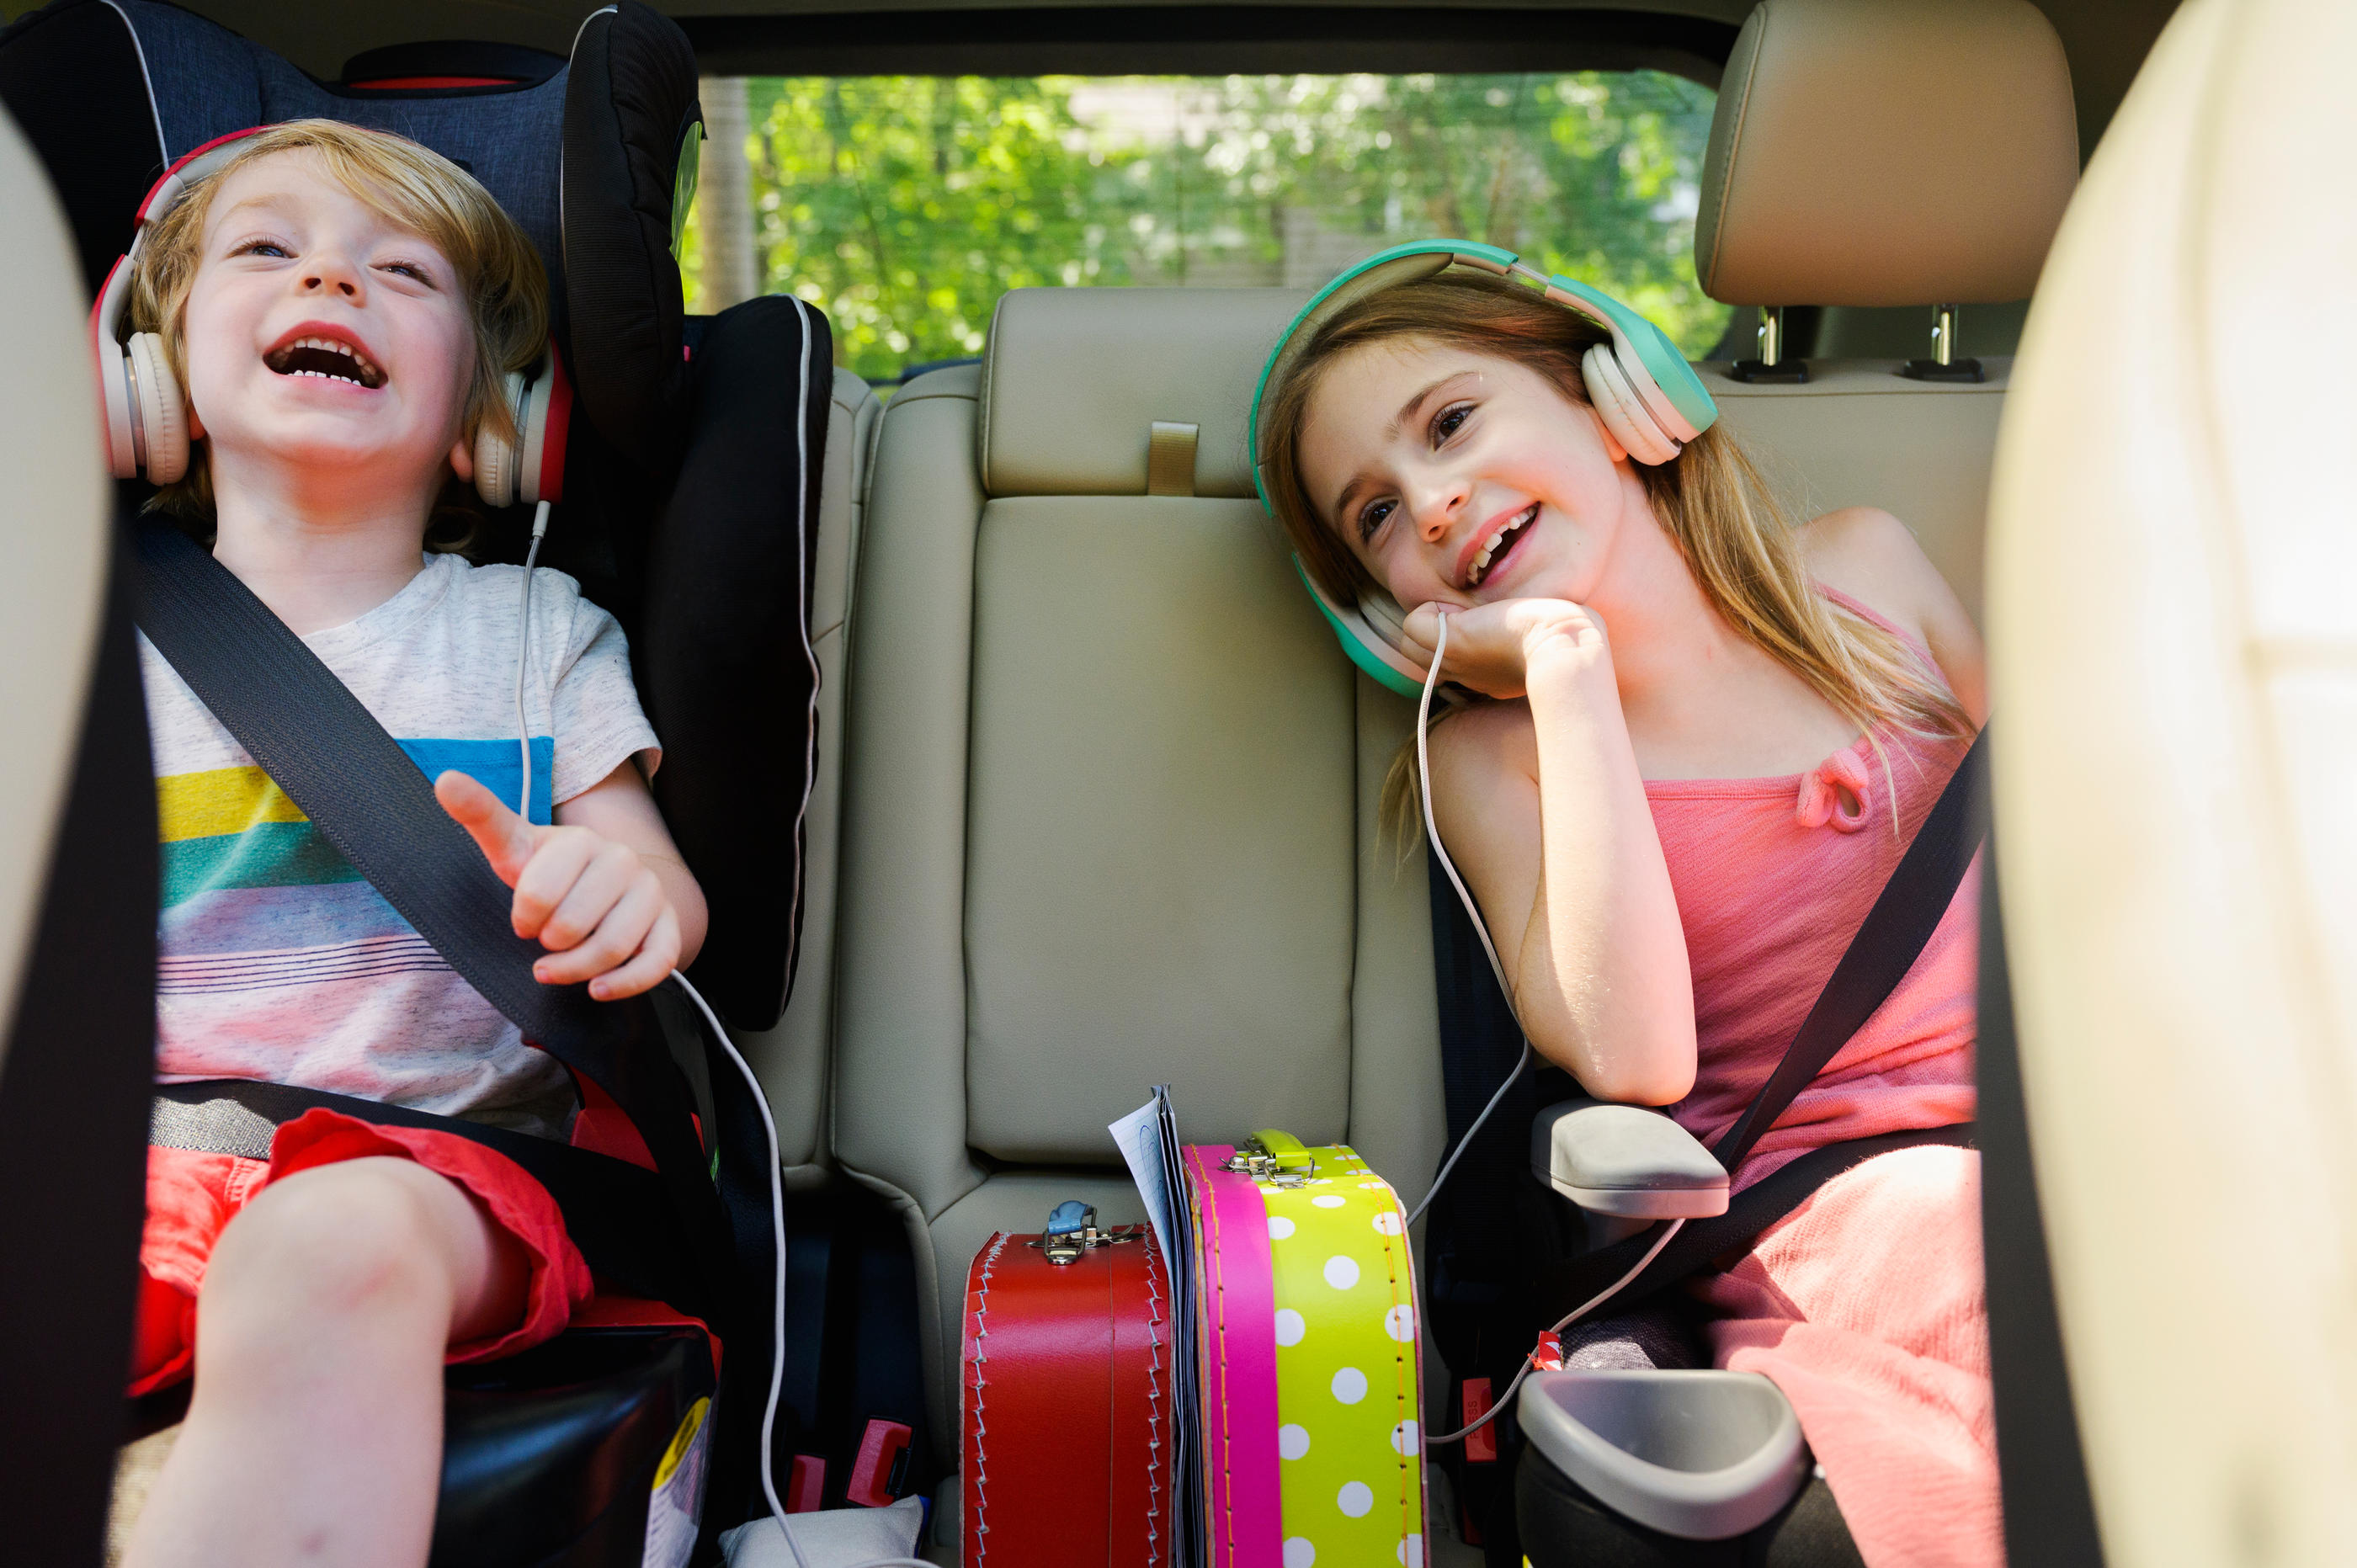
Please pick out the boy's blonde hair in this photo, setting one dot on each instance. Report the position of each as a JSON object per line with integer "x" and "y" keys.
{"x": 499, "y": 273}
{"x": 1710, "y": 499}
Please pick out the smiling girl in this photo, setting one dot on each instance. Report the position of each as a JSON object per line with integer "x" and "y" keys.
{"x": 341, "y": 307}
{"x": 1700, "y": 742}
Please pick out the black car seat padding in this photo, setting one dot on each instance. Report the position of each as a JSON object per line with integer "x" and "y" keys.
{"x": 764, "y": 378}
{"x": 629, "y": 101}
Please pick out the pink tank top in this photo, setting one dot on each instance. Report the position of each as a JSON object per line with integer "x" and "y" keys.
{"x": 1774, "y": 876}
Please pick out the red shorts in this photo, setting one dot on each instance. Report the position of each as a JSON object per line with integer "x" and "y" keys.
{"x": 191, "y": 1197}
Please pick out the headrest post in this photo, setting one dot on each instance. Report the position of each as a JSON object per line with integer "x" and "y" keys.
{"x": 1943, "y": 365}
{"x": 1771, "y": 365}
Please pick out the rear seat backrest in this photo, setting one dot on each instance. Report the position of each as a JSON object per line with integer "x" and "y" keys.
{"x": 1110, "y": 796}
{"x": 1849, "y": 165}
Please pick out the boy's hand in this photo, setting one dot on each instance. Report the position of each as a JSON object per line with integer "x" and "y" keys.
{"x": 598, "y": 909}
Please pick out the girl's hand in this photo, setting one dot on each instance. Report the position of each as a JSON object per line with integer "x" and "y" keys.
{"x": 594, "y": 904}
{"x": 1492, "y": 648}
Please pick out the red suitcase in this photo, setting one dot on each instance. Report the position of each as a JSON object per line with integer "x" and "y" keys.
{"x": 1064, "y": 1399}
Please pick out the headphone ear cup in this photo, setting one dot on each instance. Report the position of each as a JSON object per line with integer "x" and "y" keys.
{"x": 495, "y": 454}
{"x": 162, "y": 414}
{"x": 1623, "y": 411}
{"x": 541, "y": 417}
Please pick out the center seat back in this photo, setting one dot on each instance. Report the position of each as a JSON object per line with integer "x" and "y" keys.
{"x": 1109, "y": 797}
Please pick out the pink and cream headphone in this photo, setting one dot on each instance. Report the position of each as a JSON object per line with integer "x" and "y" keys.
{"x": 146, "y": 414}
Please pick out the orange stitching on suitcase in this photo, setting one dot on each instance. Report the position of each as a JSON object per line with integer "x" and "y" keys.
{"x": 978, "y": 1527}
{"x": 1411, "y": 1465}
{"x": 1220, "y": 1333}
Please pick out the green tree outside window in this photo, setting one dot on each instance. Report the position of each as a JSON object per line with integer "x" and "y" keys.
{"x": 905, "y": 206}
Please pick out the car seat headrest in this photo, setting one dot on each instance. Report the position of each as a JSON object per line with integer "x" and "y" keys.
{"x": 1091, "y": 392}
{"x": 1887, "y": 152}
{"x": 586, "y": 155}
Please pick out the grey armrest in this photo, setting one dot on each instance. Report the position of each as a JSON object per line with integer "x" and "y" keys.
{"x": 1627, "y": 1161}
{"x": 1702, "y": 1455}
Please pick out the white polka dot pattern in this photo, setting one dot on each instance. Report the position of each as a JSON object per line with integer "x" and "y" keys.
{"x": 1350, "y": 1438}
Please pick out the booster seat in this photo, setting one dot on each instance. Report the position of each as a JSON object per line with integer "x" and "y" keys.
{"x": 1840, "y": 173}
{"x": 690, "y": 486}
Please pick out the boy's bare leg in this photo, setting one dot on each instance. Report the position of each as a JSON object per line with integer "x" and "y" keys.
{"x": 314, "y": 1435}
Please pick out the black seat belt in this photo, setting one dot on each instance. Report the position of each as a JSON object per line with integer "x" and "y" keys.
{"x": 335, "y": 761}
{"x": 1892, "y": 936}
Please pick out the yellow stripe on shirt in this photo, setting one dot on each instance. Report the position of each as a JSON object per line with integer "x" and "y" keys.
{"x": 221, "y": 800}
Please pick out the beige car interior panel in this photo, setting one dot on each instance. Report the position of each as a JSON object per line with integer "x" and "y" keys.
{"x": 1886, "y": 151}
{"x": 57, "y": 539}
{"x": 1859, "y": 434}
{"x": 2175, "y": 665}
{"x": 793, "y": 1058}
{"x": 1110, "y": 802}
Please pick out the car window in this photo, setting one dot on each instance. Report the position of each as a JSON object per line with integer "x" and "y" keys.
{"x": 904, "y": 205}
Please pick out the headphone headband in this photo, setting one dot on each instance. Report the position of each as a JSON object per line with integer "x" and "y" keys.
{"x": 1642, "y": 387}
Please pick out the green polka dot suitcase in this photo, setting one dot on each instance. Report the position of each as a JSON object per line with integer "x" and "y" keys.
{"x": 1312, "y": 1442}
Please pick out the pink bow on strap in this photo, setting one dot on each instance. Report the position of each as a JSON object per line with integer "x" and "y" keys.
{"x": 1823, "y": 800}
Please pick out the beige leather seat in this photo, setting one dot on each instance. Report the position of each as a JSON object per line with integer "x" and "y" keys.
{"x": 1878, "y": 152}
{"x": 2174, "y": 654}
{"x": 793, "y": 1058}
{"x": 1110, "y": 797}
{"x": 77, "y": 889}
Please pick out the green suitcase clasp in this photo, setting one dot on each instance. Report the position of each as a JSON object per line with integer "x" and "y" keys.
{"x": 1274, "y": 1155}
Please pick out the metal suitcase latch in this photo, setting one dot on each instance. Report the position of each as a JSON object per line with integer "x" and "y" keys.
{"x": 1072, "y": 1230}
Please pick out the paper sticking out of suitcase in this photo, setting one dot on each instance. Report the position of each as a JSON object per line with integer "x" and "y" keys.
{"x": 1235, "y": 1385}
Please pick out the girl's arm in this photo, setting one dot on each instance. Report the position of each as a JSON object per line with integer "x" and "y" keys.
{"x": 1541, "y": 805}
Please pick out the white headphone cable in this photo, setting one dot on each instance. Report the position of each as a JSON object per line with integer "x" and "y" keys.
{"x": 523, "y": 643}
{"x": 1441, "y": 852}
{"x": 778, "y": 1291}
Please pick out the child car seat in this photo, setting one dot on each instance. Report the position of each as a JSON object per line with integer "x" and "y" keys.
{"x": 691, "y": 477}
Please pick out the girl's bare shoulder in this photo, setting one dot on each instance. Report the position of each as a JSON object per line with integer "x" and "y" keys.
{"x": 1869, "y": 554}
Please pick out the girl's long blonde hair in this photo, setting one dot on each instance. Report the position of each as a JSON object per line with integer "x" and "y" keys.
{"x": 1735, "y": 538}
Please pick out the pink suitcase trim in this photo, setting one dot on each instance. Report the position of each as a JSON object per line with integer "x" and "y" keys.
{"x": 1239, "y": 1350}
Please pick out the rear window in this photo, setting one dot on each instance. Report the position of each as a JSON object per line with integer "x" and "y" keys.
{"x": 904, "y": 205}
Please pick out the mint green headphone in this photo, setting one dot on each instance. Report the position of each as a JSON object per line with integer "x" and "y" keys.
{"x": 1643, "y": 390}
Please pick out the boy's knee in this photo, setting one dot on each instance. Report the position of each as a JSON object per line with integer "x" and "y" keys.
{"x": 336, "y": 1242}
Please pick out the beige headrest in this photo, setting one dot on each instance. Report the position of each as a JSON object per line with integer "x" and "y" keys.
{"x": 1076, "y": 379}
{"x": 1887, "y": 152}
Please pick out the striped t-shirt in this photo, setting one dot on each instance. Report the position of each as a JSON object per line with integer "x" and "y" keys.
{"x": 276, "y": 960}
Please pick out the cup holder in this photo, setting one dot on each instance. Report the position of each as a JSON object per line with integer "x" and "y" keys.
{"x": 1702, "y": 1455}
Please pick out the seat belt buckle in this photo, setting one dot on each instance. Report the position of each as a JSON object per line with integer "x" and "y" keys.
{"x": 1482, "y": 1446}
{"x": 880, "y": 1475}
